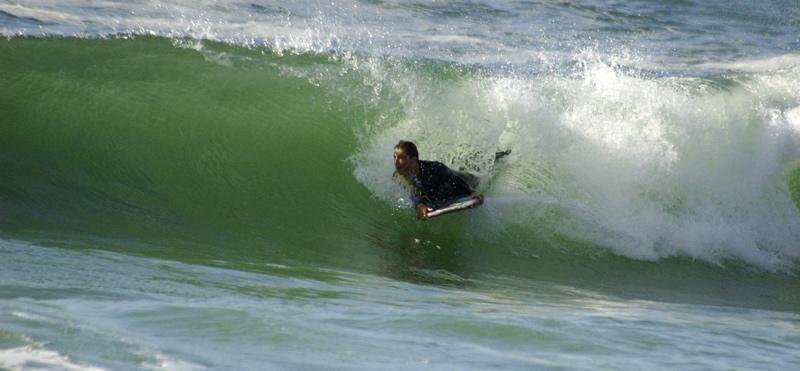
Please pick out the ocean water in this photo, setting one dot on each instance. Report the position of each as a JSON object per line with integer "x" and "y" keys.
{"x": 191, "y": 185}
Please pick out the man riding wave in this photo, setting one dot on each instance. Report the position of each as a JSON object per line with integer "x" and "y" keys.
{"x": 432, "y": 184}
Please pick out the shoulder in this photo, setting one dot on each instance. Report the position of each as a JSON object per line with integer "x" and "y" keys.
{"x": 432, "y": 165}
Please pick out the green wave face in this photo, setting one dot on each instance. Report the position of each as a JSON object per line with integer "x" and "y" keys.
{"x": 142, "y": 140}
{"x": 794, "y": 182}
{"x": 202, "y": 153}
{"x": 206, "y": 152}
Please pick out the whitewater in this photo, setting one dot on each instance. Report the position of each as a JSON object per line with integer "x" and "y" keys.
{"x": 207, "y": 185}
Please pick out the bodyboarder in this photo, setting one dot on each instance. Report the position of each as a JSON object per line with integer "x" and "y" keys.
{"x": 431, "y": 183}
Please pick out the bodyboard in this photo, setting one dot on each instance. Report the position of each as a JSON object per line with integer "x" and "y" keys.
{"x": 456, "y": 205}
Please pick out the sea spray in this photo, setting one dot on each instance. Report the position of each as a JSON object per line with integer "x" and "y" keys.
{"x": 650, "y": 168}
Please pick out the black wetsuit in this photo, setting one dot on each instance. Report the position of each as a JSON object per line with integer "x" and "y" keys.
{"x": 436, "y": 184}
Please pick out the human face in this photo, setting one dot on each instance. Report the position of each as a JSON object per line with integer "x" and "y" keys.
{"x": 402, "y": 163}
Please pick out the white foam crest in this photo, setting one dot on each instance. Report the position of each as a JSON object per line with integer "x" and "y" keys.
{"x": 493, "y": 33}
{"x": 667, "y": 172}
{"x": 287, "y": 27}
{"x": 34, "y": 357}
{"x": 342, "y": 26}
{"x": 775, "y": 63}
{"x": 723, "y": 195}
